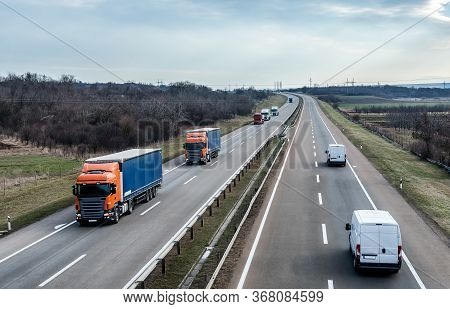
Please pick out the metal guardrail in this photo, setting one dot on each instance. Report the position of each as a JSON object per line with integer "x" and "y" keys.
{"x": 138, "y": 280}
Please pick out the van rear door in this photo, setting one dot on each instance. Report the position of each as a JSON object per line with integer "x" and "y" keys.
{"x": 370, "y": 247}
{"x": 389, "y": 241}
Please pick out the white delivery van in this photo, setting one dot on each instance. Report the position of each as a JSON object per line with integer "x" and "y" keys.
{"x": 375, "y": 240}
{"x": 274, "y": 111}
{"x": 266, "y": 114}
{"x": 336, "y": 155}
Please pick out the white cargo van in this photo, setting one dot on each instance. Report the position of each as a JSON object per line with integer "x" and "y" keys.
{"x": 274, "y": 111}
{"x": 336, "y": 155}
{"x": 266, "y": 114}
{"x": 375, "y": 240}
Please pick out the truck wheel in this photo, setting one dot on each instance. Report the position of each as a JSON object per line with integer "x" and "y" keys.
{"x": 148, "y": 196}
{"x": 153, "y": 190}
{"x": 130, "y": 207}
{"x": 116, "y": 216}
{"x": 328, "y": 162}
{"x": 208, "y": 158}
{"x": 83, "y": 223}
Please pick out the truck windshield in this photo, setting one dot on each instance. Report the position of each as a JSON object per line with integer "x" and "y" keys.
{"x": 100, "y": 190}
{"x": 195, "y": 146}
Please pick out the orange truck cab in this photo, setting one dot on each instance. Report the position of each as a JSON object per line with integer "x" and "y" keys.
{"x": 109, "y": 186}
{"x": 258, "y": 118}
{"x": 201, "y": 145}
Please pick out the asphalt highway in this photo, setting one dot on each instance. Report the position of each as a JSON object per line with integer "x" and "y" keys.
{"x": 56, "y": 253}
{"x": 299, "y": 240}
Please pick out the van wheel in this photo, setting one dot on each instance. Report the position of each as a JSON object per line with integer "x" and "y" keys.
{"x": 356, "y": 264}
{"x": 116, "y": 215}
{"x": 350, "y": 246}
{"x": 328, "y": 162}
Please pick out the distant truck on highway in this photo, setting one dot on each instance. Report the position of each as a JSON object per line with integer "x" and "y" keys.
{"x": 290, "y": 100}
{"x": 201, "y": 145}
{"x": 266, "y": 114}
{"x": 109, "y": 186}
{"x": 258, "y": 118}
{"x": 274, "y": 111}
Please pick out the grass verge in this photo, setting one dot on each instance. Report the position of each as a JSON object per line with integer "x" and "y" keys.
{"x": 426, "y": 186}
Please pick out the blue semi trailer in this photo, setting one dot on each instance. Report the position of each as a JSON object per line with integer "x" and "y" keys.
{"x": 109, "y": 186}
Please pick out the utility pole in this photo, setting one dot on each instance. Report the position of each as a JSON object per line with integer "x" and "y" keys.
{"x": 310, "y": 82}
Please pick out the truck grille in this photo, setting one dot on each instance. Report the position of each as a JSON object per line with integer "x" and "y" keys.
{"x": 193, "y": 155}
{"x": 92, "y": 207}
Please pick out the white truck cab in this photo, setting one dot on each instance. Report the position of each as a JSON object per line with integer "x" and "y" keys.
{"x": 336, "y": 155}
{"x": 266, "y": 114}
{"x": 274, "y": 111}
{"x": 375, "y": 240}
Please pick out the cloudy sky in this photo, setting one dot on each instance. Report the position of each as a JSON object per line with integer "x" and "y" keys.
{"x": 221, "y": 43}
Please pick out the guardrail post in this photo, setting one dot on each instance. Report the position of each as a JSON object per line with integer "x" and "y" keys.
{"x": 239, "y": 176}
{"x": 210, "y": 210}
{"x": 9, "y": 223}
{"x": 217, "y": 202}
{"x": 229, "y": 187}
{"x": 192, "y": 232}
{"x": 234, "y": 182}
{"x": 178, "y": 247}
{"x": 202, "y": 221}
{"x": 224, "y": 194}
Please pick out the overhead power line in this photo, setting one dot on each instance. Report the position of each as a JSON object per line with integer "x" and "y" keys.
{"x": 382, "y": 45}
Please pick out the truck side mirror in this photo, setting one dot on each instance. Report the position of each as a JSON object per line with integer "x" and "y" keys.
{"x": 113, "y": 189}
{"x": 348, "y": 227}
{"x": 74, "y": 190}
{"x": 326, "y": 151}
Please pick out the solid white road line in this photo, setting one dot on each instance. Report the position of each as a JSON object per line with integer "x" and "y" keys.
{"x": 315, "y": 154}
{"x": 36, "y": 242}
{"x": 59, "y": 226}
{"x": 410, "y": 266}
{"x": 266, "y": 213}
{"x": 190, "y": 180}
{"x": 324, "y": 234}
{"x": 315, "y": 162}
{"x": 232, "y": 150}
{"x": 156, "y": 204}
{"x": 320, "y": 198}
{"x": 314, "y": 141}
{"x": 214, "y": 163}
{"x": 330, "y": 284}
{"x": 61, "y": 271}
{"x": 317, "y": 178}
{"x": 314, "y": 146}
